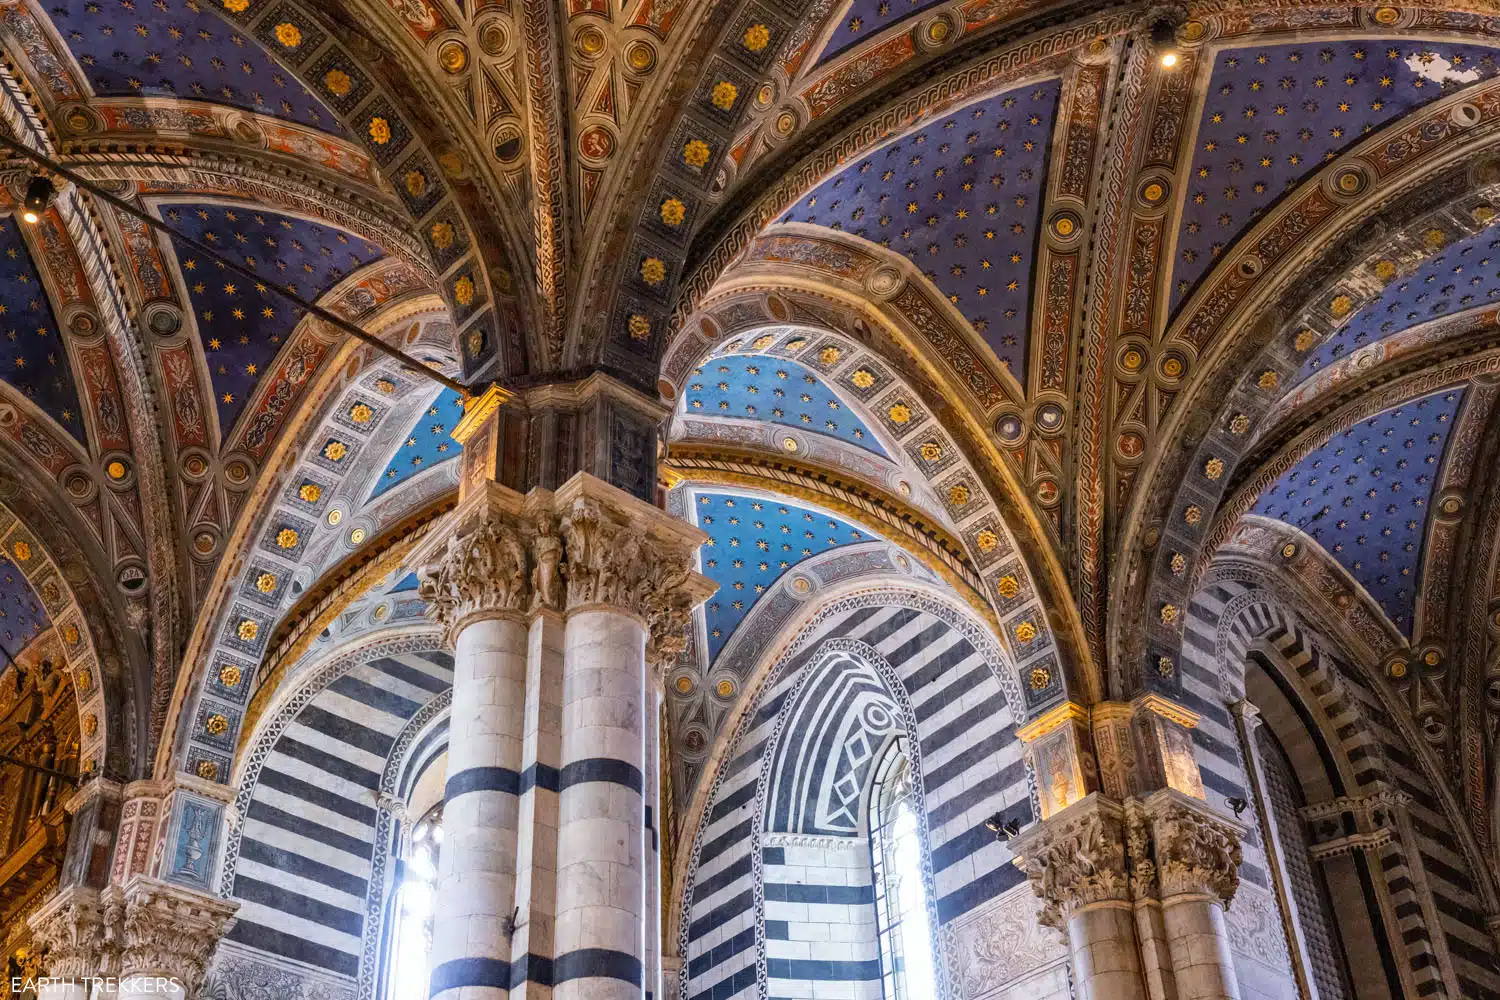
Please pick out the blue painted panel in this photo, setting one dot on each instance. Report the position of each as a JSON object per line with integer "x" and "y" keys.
{"x": 962, "y": 199}
{"x": 32, "y": 356}
{"x": 865, "y": 18}
{"x": 1276, "y": 113}
{"x": 243, "y": 325}
{"x": 752, "y": 542}
{"x": 778, "y": 391}
{"x": 426, "y": 443}
{"x": 22, "y": 614}
{"x": 1365, "y": 496}
{"x": 175, "y": 48}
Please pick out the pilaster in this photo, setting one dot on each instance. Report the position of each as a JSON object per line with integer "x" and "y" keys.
{"x": 1057, "y": 748}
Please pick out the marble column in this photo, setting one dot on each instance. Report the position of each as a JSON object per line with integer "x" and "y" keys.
{"x": 164, "y": 936}
{"x": 68, "y": 932}
{"x": 1075, "y": 860}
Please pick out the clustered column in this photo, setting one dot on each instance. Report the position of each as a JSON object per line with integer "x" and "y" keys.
{"x": 558, "y": 747}
{"x": 1133, "y": 867}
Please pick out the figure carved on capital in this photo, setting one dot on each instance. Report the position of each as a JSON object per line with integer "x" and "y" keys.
{"x": 604, "y": 559}
{"x": 546, "y": 576}
{"x": 1195, "y": 852}
{"x": 482, "y": 572}
{"x": 1073, "y": 861}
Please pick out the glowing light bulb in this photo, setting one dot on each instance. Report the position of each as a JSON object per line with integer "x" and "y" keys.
{"x": 1168, "y": 60}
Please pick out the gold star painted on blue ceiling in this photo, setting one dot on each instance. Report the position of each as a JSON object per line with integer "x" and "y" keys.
{"x": 782, "y": 392}
{"x": 1275, "y": 114}
{"x": 172, "y": 48}
{"x": 243, "y": 324}
{"x": 426, "y": 443}
{"x": 22, "y": 615}
{"x": 752, "y": 541}
{"x": 962, "y": 199}
{"x": 1463, "y": 276}
{"x": 33, "y": 357}
{"x": 1365, "y": 497}
{"x": 865, "y": 18}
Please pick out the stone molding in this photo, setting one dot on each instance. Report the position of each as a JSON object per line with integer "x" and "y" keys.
{"x": 1099, "y": 850}
{"x": 69, "y": 928}
{"x": 587, "y": 546}
{"x": 154, "y": 928}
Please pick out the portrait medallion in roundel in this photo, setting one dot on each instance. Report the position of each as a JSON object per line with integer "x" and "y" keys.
{"x": 596, "y": 143}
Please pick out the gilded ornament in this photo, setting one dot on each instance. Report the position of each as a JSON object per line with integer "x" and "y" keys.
{"x": 85, "y": 680}
{"x": 931, "y": 451}
{"x": 725, "y": 688}
{"x": 216, "y": 725}
{"x": 1132, "y": 360}
{"x": 361, "y": 413}
{"x": 1193, "y": 514}
{"x": 229, "y": 675}
{"x": 380, "y": 130}
{"x": 21, "y": 550}
{"x": 641, "y": 57}
{"x": 1153, "y": 192}
{"x": 958, "y": 494}
{"x": 640, "y": 327}
{"x": 696, "y": 153}
{"x": 796, "y": 344}
{"x": 1040, "y": 678}
{"x": 1432, "y": 657}
{"x": 1387, "y": 15}
{"x": 463, "y": 290}
{"x": 1385, "y": 270}
{"x": 289, "y": 34}
{"x": 1341, "y": 305}
{"x": 1451, "y": 505}
{"x": 1268, "y": 379}
{"x": 311, "y": 492}
{"x": 115, "y": 470}
{"x": 385, "y": 385}
{"x": 1213, "y": 468}
{"x": 90, "y": 724}
{"x": 724, "y": 95}
{"x": 1025, "y": 632}
{"x": 673, "y": 211}
{"x": 862, "y": 379}
{"x": 1168, "y": 613}
{"x": 1008, "y": 587}
{"x": 756, "y": 37}
{"x": 248, "y": 630}
{"x": 453, "y": 57}
{"x": 70, "y": 635}
{"x": 1178, "y": 562}
{"x": 236, "y": 6}
{"x": 761, "y": 343}
{"x": 1164, "y": 666}
{"x": 416, "y": 183}
{"x": 338, "y": 82}
{"x": 653, "y": 271}
{"x": 986, "y": 540}
{"x": 1239, "y": 423}
{"x": 1484, "y": 214}
{"x": 287, "y": 538}
{"x": 1434, "y": 238}
{"x": 357, "y": 536}
{"x": 335, "y": 516}
{"x": 1064, "y": 226}
{"x": 829, "y": 355}
{"x": 899, "y": 413}
{"x": 442, "y": 235}
{"x": 208, "y": 770}
{"x": 1397, "y": 669}
{"x": 1288, "y": 550}
{"x": 265, "y": 583}
{"x": 683, "y": 684}
{"x": 790, "y": 444}
{"x": 1304, "y": 340}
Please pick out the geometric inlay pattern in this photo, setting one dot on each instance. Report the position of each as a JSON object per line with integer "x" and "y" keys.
{"x": 779, "y": 391}
{"x": 962, "y": 199}
{"x": 1365, "y": 494}
{"x": 1276, "y": 113}
{"x": 244, "y": 324}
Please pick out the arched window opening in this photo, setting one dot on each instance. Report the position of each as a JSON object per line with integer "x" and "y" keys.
{"x": 908, "y": 967}
{"x": 415, "y": 900}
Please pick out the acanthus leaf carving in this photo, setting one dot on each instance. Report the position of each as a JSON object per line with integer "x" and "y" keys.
{"x": 1075, "y": 859}
{"x": 480, "y": 573}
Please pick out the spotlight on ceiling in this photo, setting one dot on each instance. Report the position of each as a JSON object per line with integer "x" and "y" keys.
{"x": 38, "y": 197}
{"x": 1164, "y": 38}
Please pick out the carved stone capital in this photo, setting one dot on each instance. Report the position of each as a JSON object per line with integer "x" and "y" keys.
{"x": 1194, "y": 848}
{"x": 165, "y": 930}
{"x": 69, "y": 928}
{"x": 1075, "y": 858}
{"x": 475, "y": 565}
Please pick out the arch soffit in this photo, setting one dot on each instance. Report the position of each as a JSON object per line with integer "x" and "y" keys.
{"x": 793, "y": 638}
{"x": 881, "y": 337}
{"x": 275, "y": 501}
{"x": 1313, "y": 249}
{"x": 1289, "y": 597}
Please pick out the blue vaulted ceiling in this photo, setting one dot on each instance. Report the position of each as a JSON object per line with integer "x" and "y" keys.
{"x": 752, "y": 541}
{"x": 33, "y": 358}
{"x": 427, "y": 442}
{"x": 774, "y": 390}
{"x": 962, "y": 198}
{"x": 864, "y": 18}
{"x": 175, "y": 48}
{"x": 242, "y": 324}
{"x": 22, "y": 616}
{"x": 1365, "y": 496}
{"x": 1462, "y": 276}
{"x": 1274, "y": 114}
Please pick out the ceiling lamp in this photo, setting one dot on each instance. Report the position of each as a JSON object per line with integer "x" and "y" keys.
{"x": 38, "y": 197}
{"x": 1164, "y": 38}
